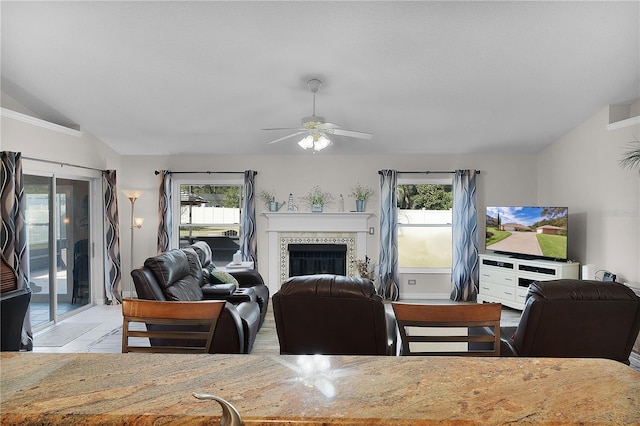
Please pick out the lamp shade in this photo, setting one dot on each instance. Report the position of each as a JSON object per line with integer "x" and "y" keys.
{"x": 132, "y": 193}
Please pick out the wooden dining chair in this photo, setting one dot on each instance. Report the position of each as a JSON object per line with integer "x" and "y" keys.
{"x": 195, "y": 323}
{"x": 454, "y": 330}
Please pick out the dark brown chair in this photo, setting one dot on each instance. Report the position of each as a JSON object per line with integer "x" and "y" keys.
{"x": 455, "y": 330}
{"x": 576, "y": 319}
{"x": 14, "y": 306}
{"x": 332, "y": 315}
{"x": 205, "y": 313}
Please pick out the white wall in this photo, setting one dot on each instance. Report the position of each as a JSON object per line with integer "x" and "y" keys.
{"x": 84, "y": 150}
{"x": 581, "y": 171}
{"x": 503, "y": 179}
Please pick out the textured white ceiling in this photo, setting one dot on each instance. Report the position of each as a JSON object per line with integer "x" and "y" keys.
{"x": 423, "y": 77}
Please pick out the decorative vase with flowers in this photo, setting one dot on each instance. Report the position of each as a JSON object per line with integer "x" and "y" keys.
{"x": 362, "y": 194}
{"x": 317, "y": 199}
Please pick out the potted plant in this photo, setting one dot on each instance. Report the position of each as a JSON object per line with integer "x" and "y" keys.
{"x": 366, "y": 268}
{"x": 631, "y": 158}
{"x": 316, "y": 198}
{"x": 270, "y": 200}
{"x": 361, "y": 193}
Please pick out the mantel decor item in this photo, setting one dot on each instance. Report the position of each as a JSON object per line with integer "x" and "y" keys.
{"x": 631, "y": 158}
{"x": 366, "y": 268}
{"x": 316, "y": 198}
{"x": 361, "y": 193}
{"x": 290, "y": 206}
{"x": 270, "y": 200}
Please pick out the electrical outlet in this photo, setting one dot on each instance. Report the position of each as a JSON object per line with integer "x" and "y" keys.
{"x": 371, "y": 230}
{"x": 411, "y": 282}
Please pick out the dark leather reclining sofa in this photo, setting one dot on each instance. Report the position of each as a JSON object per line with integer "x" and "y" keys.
{"x": 182, "y": 275}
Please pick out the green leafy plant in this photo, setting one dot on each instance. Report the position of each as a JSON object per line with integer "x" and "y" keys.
{"x": 269, "y": 196}
{"x": 361, "y": 192}
{"x": 631, "y": 158}
{"x": 317, "y": 196}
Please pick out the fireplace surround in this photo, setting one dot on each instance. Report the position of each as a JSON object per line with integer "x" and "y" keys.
{"x": 348, "y": 229}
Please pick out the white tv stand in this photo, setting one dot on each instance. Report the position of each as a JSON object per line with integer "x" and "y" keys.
{"x": 505, "y": 279}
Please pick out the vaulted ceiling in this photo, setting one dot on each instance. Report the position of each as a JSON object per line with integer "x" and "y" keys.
{"x": 205, "y": 77}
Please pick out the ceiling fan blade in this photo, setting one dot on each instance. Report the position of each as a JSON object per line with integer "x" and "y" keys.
{"x": 330, "y": 125}
{"x": 352, "y": 134}
{"x": 283, "y": 128}
{"x": 287, "y": 137}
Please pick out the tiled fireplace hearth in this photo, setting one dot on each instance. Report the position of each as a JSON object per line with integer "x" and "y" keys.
{"x": 348, "y": 229}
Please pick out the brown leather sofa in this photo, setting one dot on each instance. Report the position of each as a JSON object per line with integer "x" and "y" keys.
{"x": 178, "y": 275}
{"x": 575, "y": 319}
{"x": 334, "y": 315}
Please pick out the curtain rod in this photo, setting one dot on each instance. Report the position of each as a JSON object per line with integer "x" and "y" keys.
{"x": 157, "y": 172}
{"x": 428, "y": 172}
{"x": 62, "y": 164}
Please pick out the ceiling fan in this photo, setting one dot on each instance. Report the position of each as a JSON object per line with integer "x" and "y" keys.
{"x": 316, "y": 129}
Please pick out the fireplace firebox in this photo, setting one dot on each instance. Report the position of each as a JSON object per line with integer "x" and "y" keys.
{"x": 309, "y": 259}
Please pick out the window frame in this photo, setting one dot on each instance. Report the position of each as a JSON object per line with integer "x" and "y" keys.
{"x": 216, "y": 181}
{"x": 424, "y": 180}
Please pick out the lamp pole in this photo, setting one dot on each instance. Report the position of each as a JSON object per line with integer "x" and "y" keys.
{"x": 133, "y": 195}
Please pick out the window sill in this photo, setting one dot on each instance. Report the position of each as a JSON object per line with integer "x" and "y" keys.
{"x": 424, "y": 270}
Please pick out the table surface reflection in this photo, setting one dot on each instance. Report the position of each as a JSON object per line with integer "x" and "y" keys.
{"x": 142, "y": 389}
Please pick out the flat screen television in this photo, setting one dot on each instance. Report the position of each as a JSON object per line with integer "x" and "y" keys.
{"x": 535, "y": 232}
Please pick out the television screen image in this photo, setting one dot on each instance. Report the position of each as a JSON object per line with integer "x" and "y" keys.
{"x": 536, "y": 232}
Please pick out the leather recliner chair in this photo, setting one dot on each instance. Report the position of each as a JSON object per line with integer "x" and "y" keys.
{"x": 333, "y": 315}
{"x": 13, "y": 309}
{"x": 575, "y": 319}
{"x": 249, "y": 279}
{"x": 177, "y": 275}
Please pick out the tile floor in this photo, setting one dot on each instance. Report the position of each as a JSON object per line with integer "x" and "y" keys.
{"x": 105, "y": 337}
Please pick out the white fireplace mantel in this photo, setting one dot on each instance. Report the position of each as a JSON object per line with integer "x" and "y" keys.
{"x": 285, "y": 226}
{"x": 317, "y": 222}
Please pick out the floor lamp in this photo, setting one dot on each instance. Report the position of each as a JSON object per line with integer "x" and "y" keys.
{"x": 136, "y": 222}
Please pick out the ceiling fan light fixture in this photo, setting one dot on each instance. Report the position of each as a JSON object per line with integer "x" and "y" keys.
{"x": 316, "y": 127}
{"x": 306, "y": 142}
{"x": 321, "y": 143}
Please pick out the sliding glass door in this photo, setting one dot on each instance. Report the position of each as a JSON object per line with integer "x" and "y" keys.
{"x": 58, "y": 228}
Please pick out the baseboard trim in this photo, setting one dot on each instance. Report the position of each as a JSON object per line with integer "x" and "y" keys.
{"x": 425, "y": 296}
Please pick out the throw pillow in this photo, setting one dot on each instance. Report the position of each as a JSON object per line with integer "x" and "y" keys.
{"x": 219, "y": 277}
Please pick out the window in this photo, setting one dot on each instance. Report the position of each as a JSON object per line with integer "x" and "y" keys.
{"x": 424, "y": 224}
{"x": 211, "y": 213}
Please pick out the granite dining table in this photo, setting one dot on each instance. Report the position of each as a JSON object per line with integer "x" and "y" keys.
{"x": 146, "y": 389}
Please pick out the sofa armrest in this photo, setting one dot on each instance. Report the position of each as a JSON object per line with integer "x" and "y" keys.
{"x": 228, "y": 337}
{"x": 242, "y": 295}
{"x": 247, "y": 277}
{"x": 217, "y": 291}
{"x": 392, "y": 334}
{"x": 507, "y": 347}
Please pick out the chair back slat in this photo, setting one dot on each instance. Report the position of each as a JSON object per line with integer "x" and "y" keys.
{"x": 472, "y": 329}
{"x": 149, "y": 312}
